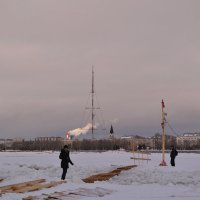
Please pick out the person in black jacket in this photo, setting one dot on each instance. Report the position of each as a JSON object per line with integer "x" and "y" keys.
{"x": 173, "y": 155}
{"x": 65, "y": 160}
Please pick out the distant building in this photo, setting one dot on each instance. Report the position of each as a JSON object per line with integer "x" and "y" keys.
{"x": 7, "y": 143}
{"x": 2, "y": 141}
{"x": 190, "y": 138}
{"x": 49, "y": 139}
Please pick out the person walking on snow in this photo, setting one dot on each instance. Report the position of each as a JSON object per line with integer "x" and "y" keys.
{"x": 173, "y": 155}
{"x": 65, "y": 160}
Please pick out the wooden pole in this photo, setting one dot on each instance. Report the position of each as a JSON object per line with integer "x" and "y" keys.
{"x": 163, "y": 163}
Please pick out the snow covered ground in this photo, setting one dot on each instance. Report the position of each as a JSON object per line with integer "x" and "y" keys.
{"x": 147, "y": 181}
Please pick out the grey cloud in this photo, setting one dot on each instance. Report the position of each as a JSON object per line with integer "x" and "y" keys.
{"x": 143, "y": 51}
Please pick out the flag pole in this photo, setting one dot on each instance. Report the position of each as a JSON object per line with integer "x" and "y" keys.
{"x": 163, "y": 163}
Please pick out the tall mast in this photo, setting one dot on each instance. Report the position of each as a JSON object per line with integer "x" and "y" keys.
{"x": 92, "y": 102}
{"x": 93, "y": 105}
{"x": 163, "y": 163}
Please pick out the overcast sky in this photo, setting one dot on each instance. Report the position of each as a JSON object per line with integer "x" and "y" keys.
{"x": 142, "y": 52}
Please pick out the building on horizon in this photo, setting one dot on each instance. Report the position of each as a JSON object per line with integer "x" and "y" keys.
{"x": 188, "y": 140}
{"x": 49, "y": 139}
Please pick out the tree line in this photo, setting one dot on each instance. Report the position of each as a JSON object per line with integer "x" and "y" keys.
{"x": 76, "y": 145}
{"x": 101, "y": 144}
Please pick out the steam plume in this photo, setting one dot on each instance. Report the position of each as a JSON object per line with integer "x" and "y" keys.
{"x": 78, "y": 131}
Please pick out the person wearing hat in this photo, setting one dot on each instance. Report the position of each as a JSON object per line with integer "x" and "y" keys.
{"x": 65, "y": 160}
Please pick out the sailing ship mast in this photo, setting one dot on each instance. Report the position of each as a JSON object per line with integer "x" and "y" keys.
{"x": 93, "y": 105}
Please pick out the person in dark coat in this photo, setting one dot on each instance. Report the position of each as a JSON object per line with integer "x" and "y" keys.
{"x": 65, "y": 160}
{"x": 173, "y": 155}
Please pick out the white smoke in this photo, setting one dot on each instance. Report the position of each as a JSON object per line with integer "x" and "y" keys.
{"x": 79, "y": 131}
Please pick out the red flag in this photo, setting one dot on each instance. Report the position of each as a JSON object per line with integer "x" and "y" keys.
{"x": 163, "y": 104}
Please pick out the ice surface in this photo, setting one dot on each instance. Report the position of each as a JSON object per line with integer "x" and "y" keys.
{"x": 147, "y": 181}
